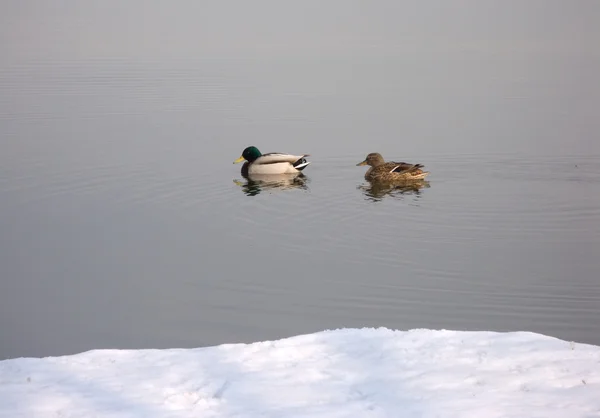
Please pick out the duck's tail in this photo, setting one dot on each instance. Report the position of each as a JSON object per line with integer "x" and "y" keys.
{"x": 420, "y": 175}
{"x": 301, "y": 163}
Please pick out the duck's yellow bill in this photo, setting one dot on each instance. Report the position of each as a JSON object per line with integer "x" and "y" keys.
{"x": 363, "y": 163}
{"x": 239, "y": 160}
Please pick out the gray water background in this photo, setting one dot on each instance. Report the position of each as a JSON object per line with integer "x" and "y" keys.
{"x": 123, "y": 223}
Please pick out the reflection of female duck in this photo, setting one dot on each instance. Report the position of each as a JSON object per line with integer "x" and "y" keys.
{"x": 391, "y": 171}
{"x": 272, "y": 163}
{"x": 377, "y": 190}
{"x": 255, "y": 183}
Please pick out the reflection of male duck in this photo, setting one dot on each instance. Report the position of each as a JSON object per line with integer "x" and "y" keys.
{"x": 255, "y": 183}
{"x": 272, "y": 163}
{"x": 377, "y": 190}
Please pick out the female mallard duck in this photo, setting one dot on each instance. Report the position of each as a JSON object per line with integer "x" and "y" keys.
{"x": 272, "y": 163}
{"x": 391, "y": 171}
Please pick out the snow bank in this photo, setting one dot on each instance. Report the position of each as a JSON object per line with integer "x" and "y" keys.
{"x": 343, "y": 373}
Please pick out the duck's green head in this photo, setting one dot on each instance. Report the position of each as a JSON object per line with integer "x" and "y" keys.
{"x": 250, "y": 154}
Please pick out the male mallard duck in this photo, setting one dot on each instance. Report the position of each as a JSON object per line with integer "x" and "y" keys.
{"x": 272, "y": 163}
{"x": 391, "y": 171}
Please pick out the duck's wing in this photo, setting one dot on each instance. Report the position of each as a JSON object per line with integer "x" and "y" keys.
{"x": 395, "y": 167}
{"x": 277, "y": 157}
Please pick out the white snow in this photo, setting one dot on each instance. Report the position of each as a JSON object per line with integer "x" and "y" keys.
{"x": 342, "y": 373}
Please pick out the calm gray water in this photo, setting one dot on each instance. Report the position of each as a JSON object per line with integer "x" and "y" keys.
{"x": 124, "y": 224}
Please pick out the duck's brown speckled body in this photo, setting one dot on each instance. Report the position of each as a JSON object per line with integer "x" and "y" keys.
{"x": 391, "y": 171}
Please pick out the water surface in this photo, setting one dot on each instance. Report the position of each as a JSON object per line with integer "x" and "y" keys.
{"x": 123, "y": 223}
